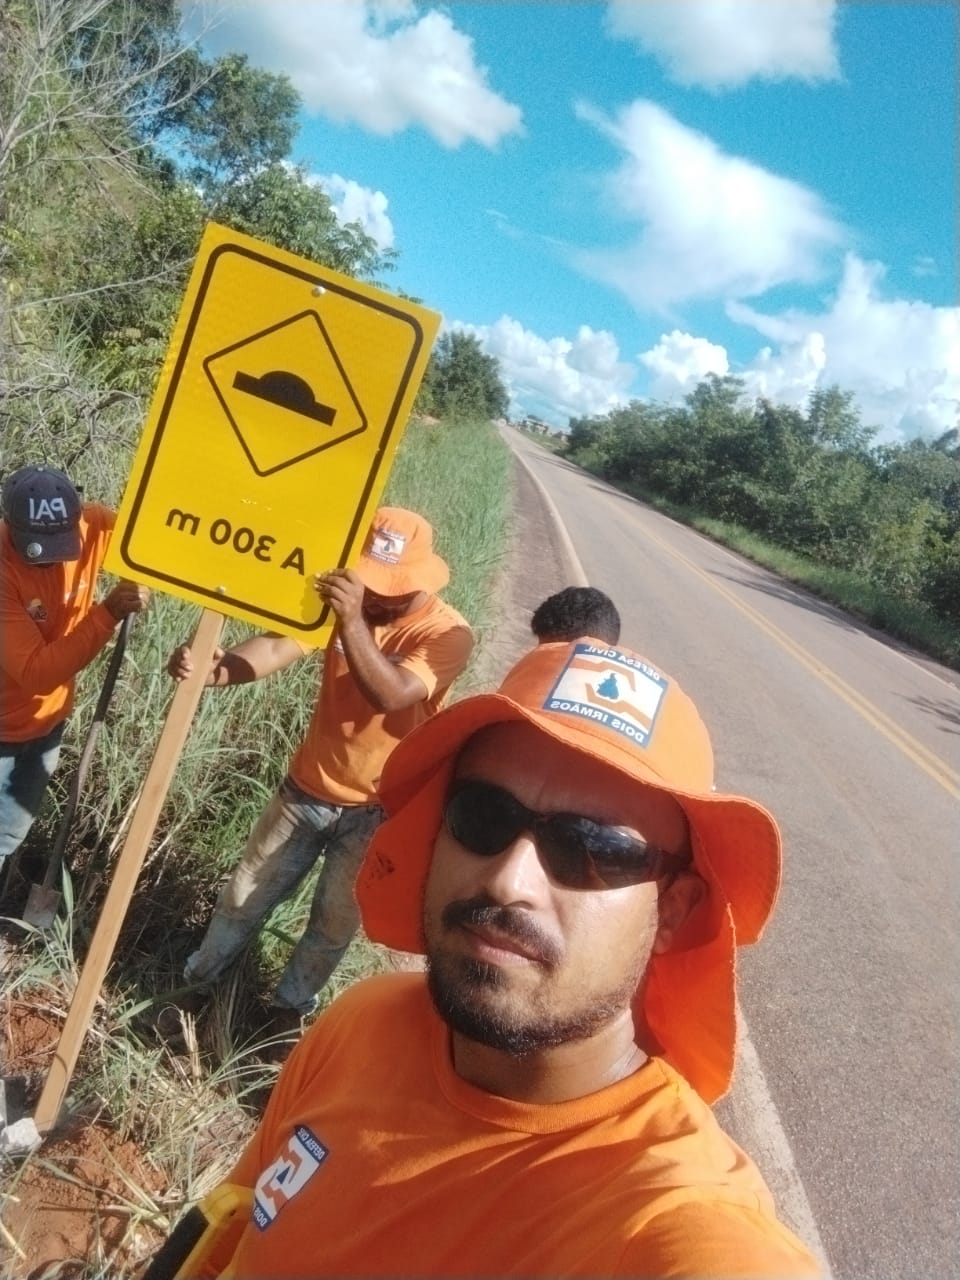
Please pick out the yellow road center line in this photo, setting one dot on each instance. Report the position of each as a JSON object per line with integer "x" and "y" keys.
{"x": 922, "y": 756}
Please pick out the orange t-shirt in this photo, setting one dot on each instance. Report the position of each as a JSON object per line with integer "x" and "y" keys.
{"x": 347, "y": 741}
{"x": 51, "y": 629}
{"x": 374, "y": 1158}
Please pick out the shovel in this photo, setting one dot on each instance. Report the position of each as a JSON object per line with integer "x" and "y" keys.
{"x": 44, "y": 901}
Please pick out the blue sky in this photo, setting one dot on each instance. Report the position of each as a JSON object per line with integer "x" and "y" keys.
{"x": 619, "y": 197}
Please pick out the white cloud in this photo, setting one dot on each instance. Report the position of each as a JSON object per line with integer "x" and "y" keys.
{"x": 383, "y": 66}
{"x": 556, "y": 378}
{"x": 353, "y": 203}
{"x": 679, "y": 361}
{"x": 720, "y": 44}
{"x": 712, "y": 224}
{"x": 900, "y": 358}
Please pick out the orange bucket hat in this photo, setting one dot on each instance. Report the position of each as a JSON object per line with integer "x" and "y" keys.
{"x": 613, "y": 705}
{"x": 398, "y": 555}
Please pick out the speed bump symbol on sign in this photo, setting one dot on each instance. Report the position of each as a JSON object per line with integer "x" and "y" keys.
{"x": 285, "y": 393}
{"x": 277, "y": 416}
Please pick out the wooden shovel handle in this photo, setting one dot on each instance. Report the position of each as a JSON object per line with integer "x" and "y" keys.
{"x": 104, "y": 940}
{"x": 86, "y": 755}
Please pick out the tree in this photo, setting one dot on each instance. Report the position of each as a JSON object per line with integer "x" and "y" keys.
{"x": 581, "y": 434}
{"x": 834, "y": 420}
{"x": 118, "y": 140}
{"x": 716, "y": 397}
{"x": 808, "y": 480}
{"x": 239, "y": 121}
{"x": 462, "y": 380}
{"x": 941, "y": 577}
{"x": 129, "y": 282}
{"x": 83, "y": 82}
{"x": 278, "y": 204}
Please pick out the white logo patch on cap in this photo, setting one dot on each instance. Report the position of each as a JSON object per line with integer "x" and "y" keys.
{"x": 48, "y": 511}
{"x": 386, "y": 546}
{"x": 289, "y": 1173}
{"x": 611, "y": 688}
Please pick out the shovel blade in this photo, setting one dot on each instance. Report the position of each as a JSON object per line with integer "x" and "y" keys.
{"x": 42, "y": 907}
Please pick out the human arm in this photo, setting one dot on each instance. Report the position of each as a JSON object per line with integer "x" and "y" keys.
{"x": 385, "y": 685}
{"x": 38, "y": 665}
{"x": 250, "y": 660}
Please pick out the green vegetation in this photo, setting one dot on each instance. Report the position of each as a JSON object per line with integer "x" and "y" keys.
{"x": 118, "y": 141}
{"x": 462, "y": 380}
{"x": 875, "y": 528}
{"x": 99, "y": 225}
{"x": 457, "y": 474}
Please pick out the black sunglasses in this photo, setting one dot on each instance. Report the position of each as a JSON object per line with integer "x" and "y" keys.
{"x": 578, "y": 852}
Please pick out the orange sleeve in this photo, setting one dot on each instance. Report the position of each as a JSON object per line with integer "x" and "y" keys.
{"x": 703, "y": 1239}
{"x": 439, "y": 659}
{"x": 36, "y": 665}
{"x": 254, "y": 1158}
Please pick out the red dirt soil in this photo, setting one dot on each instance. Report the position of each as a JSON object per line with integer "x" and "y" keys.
{"x": 57, "y": 1223}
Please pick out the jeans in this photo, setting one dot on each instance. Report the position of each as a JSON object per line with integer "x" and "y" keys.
{"x": 293, "y": 831}
{"x": 25, "y": 770}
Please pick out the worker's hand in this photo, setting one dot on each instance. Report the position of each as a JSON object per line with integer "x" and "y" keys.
{"x": 343, "y": 591}
{"x": 127, "y": 597}
{"x": 180, "y": 664}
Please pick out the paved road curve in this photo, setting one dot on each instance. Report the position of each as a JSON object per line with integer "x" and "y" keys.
{"x": 851, "y": 997}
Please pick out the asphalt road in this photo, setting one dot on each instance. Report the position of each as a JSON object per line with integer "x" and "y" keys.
{"x": 850, "y": 999}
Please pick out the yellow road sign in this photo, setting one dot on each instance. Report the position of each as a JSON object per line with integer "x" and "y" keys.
{"x": 276, "y": 418}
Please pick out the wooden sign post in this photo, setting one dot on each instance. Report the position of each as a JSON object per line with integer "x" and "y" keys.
{"x": 276, "y": 418}
{"x": 112, "y": 914}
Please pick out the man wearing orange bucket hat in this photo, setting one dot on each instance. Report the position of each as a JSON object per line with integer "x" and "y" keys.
{"x": 536, "y": 1103}
{"x": 395, "y": 651}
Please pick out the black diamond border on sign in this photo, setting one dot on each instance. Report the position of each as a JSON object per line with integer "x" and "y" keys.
{"x": 308, "y": 453}
{"x": 389, "y": 426}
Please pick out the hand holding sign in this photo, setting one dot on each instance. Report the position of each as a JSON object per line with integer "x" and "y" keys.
{"x": 271, "y": 433}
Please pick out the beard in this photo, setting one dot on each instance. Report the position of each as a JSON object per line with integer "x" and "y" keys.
{"x": 475, "y": 999}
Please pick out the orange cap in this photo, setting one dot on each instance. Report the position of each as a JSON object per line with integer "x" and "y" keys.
{"x": 398, "y": 555}
{"x": 616, "y": 707}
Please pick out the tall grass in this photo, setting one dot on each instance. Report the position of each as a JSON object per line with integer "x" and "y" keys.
{"x": 457, "y": 475}
{"x": 188, "y": 1116}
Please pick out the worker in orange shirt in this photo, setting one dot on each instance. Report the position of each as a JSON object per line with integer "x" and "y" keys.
{"x": 52, "y": 545}
{"x": 537, "y": 1103}
{"x": 396, "y": 650}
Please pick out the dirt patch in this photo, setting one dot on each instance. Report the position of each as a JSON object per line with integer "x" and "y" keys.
{"x": 76, "y": 1202}
{"x": 82, "y": 1198}
{"x": 28, "y": 1040}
